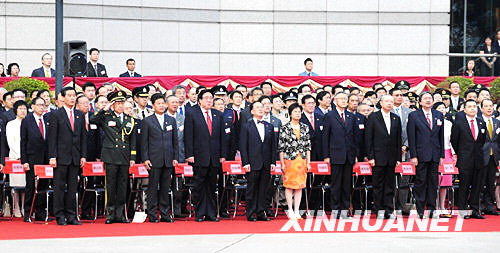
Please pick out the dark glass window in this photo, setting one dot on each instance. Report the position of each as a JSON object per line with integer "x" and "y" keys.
{"x": 483, "y": 19}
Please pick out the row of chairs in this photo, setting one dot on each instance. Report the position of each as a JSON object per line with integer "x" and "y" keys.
{"x": 234, "y": 183}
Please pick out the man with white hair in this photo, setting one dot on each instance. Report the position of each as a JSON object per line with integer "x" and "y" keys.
{"x": 383, "y": 150}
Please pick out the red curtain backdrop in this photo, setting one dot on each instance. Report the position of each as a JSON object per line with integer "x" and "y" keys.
{"x": 280, "y": 82}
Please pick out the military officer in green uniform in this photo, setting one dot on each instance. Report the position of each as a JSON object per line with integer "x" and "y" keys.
{"x": 118, "y": 153}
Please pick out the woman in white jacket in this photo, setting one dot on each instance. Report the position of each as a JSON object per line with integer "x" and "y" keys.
{"x": 13, "y": 132}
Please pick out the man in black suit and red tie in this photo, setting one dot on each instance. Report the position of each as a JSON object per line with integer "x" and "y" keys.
{"x": 425, "y": 129}
{"x": 95, "y": 69}
{"x": 204, "y": 139}
{"x": 160, "y": 154}
{"x": 383, "y": 150}
{"x": 130, "y": 69}
{"x": 34, "y": 150}
{"x": 467, "y": 138}
{"x": 258, "y": 154}
{"x": 67, "y": 152}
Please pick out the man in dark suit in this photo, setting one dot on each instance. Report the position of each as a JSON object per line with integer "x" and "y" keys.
{"x": 204, "y": 133}
{"x": 425, "y": 130}
{"x": 118, "y": 153}
{"x": 130, "y": 69}
{"x": 94, "y": 144}
{"x": 34, "y": 147}
{"x": 45, "y": 70}
{"x": 315, "y": 123}
{"x": 455, "y": 98}
{"x": 491, "y": 156}
{"x": 495, "y": 48}
{"x": 160, "y": 154}
{"x": 339, "y": 149}
{"x": 67, "y": 152}
{"x": 258, "y": 154}
{"x": 95, "y": 69}
{"x": 467, "y": 138}
{"x": 383, "y": 147}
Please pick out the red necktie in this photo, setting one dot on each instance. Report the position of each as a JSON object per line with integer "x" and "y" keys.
{"x": 40, "y": 126}
{"x": 209, "y": 123}
{"x": 473, "y": 129}
{"x": 428, "y": 120}
{"x": 91, "y": 107}
{"x": 71, "y": 120}
{"x": 312, "y": 121}
{"x": 342, "y": 117}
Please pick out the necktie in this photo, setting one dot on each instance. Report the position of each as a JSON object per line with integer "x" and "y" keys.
{"x": 161, "y": 122}
{"x": 209, "y": 123}
{"x": 490, "y": 132}
{"x": 397, "y": 111}
{"x": 342, "y": 117}
{"x": 40, "y": 126}
{"x": 143, "y": 114}
{"x": 71, "y": 120}
{"x": 91, "y": 107}
{"x": 312, "y": 121}
{"x": 131, "y": 74}
{"x": 95, "y": 69}
{"x": 181, "y": 111}
{"x": 47, "y": 73}
{"x": 429, "y": 120}
{"x": 473, "y": 129}
{"x": 309, "y": 74}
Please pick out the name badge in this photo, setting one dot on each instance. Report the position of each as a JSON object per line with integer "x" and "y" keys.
{"x": 439, "y": 123}
{"x": 498, "y": 130}
{"x": 321, "y": 128}
{"x": 93, "y": 126}
{"x": 228, "y": 130}
{"x": 103, "y": 72}
{"x": 112, "y": 123}
{"x": 138, "y": 131}
{"x": 181, "y": 128}
{"x": 276, "y": 129}
{"x": 361, "y": 126}
{"x": 482, "y": 131}
{"x": 169, "y": 128}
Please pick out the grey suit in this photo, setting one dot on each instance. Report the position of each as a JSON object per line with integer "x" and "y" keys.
{"x": 179, "y": 120}
{"x": 403, "y": 115}
{"x": 490, "y": 164}
{"x": 403, "y": 182}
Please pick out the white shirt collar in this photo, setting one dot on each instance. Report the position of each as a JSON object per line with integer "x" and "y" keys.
{"x": 339, "y": 110}
{"x": 469, "y": 119}
{"x": 37, "y": 118}
{"x": 67, "y": 109}
{"x": 486, "y": 118}
{"x": 171, "y": 115}
{"x": 385, "y": 114}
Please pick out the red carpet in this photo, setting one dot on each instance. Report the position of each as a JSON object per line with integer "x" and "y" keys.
{"x": 17, "y": 229}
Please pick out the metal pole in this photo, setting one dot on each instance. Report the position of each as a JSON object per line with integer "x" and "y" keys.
{"x": 465, "y": 30}
{"x": 59, "y": 45}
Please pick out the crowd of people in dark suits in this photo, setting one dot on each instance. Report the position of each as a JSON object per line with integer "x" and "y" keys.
{"x": 263, "y": 129}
